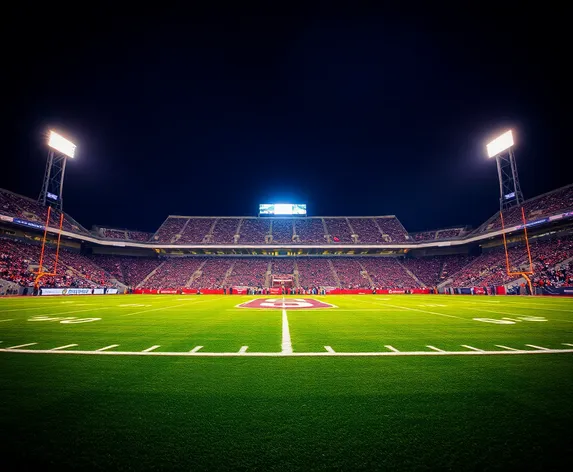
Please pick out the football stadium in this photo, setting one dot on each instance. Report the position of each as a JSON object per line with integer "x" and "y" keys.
{"x": 243, "y": 237}
{"x": 312, "y": 342}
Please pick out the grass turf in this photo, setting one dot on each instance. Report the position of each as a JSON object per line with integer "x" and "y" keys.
{"x": 286, "y": 413}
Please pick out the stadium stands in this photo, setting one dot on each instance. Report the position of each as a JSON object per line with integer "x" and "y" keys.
{"x": 213, "y": 274}
{"x": 490, "y": 267}
{"x": 225, "y": 230}
{"x": 123, "y": 234}
{"x": 282, "y": 230}
{"x": 367, "y": 230}
{"x": 439, "y": 234}
{"x": 393, "y": 229}
{"x": 432, "y": 270}
{"x": 282, "y": 266}
{"x": 170, "y": 228}
{"x": 254, "y": 230}
{"x": 548, "y": 204}
{"x": 388, "y": 273}
{"x": 247, "y": 272}
{"x": 315, "y": 273}
{"x": 195, "y": 230}
{"x": 21, "y": 259}
{"x": 24, "y": 208}
{"x": 310, "y": 230}
{"x": 174, "y": 272}
{"x": 339, "y": 230}
{"x": 351, "y": 274}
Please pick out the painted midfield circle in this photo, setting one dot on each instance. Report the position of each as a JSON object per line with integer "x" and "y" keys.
{"x": 287, "y": 303}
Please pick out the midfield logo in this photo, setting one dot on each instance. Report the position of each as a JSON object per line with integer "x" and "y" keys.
{"x": 287, "y": 303}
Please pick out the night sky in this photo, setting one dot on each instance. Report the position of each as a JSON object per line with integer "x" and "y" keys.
{"x": 354, "y": 111}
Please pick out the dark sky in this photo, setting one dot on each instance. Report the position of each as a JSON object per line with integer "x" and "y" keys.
{"x": 354, "y": 111}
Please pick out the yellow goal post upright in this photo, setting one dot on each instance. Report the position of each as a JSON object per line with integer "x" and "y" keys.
{"x": 510, "y": 196}
{"x": 521, "y": 273}
{"x": 41, "y": 272}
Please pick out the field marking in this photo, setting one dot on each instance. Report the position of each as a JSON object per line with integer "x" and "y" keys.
{"x": 63, "y": 347}
{"x": 392, "y": 348}
{"x": 11, "y": 319}
{"x": 286, "y": 345}
{"x": 567, "y": 344}
{"x": 196, "y": 348}
{"x": 243, "y": 349}
{"x": 537, "y": 307}
{"x": 152, "y": 348}
{"x": 509, "y": 351}
{"x": 330, "y": 350}
{"x": 39, "y": 307}
{"x": 434, "y": 348}
{"x": 426, "y": 311}
{"x": 21, "y": 345}
{"x": 153, "y": 309}
{"x": 471, "y": 347}
{"x": 111, "y": 346}
{"x": 537, "y": 347}
{"x": 506, "y": 347}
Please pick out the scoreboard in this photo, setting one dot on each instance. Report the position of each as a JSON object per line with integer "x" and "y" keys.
{"x": 282, "y": 209}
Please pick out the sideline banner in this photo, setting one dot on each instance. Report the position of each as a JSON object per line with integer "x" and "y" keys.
{"x": 557, "y": 291}
{"x": 66, "y": 291}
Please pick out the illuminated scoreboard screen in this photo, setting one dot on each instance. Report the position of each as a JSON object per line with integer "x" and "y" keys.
{"x": 273, "y": 209}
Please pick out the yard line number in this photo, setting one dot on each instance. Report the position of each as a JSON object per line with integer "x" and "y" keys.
{"x": 508, "y": 321}
{"x": 64, "y": 320}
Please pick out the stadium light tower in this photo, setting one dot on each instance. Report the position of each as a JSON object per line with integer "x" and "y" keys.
{"x": 501, "y": 148}
{"x": 60, "y": 150}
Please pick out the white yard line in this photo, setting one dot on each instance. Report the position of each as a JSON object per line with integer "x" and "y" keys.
{"x": 538, "y": 347}
{"x": 294, "y": 354}
{"x": 426, "y": 311}
{"x": 472, "y": 348}
{"x": 434, "y": 348}
{"x": 243, "y": 349}
{"x": 286, "y": 345}
{"x": 567, "y": 344}
{"x": 196, "y": 348}
{"x": 11, "y": 319}
{"x": 392, "y": 348}
{"x": 329, "y": 349}
{"x": 21, "y": 345}
{"x": 63, "y": 347}
{"x": 154, "y": 309}
{"x": 152, "y": 348}
{"x": 111, "y": 346}
{"x": 506, "y": 347}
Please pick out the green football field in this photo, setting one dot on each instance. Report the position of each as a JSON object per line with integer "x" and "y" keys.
{"x": 372, "y": 382}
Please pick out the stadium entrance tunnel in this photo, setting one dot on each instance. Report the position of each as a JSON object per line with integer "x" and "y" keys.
{"x": 288, "y": 303}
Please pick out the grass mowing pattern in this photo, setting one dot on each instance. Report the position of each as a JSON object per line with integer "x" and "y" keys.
{"x": 298, "y": 413}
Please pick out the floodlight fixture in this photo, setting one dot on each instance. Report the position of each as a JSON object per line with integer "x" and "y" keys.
{"x": 61, "y": 144}
{"x": 500, "y": 144}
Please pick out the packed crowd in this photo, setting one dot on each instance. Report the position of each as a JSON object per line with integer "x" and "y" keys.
{"x": 549, "y": 204}
{"x": 439, "y": 234}
{"x": 123, "y": 234}
{"x": 19, "y": 263}
{"x": 30, "y": 210}
{"x": 388, "y": 273}
{"x": 247, "y": 272}
{"x": 310, "y": 230}
{"x": 282, "y": 231}
{"x": 225, "y": 230}
{"x": 490, "y": 268}
{"x": 351, "y": 274}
